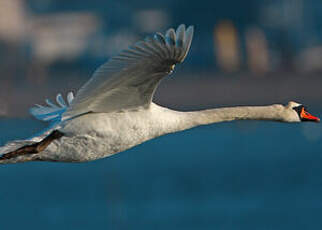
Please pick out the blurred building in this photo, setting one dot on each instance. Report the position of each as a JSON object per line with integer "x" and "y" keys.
{"x": 13, "y": 24}
{"x": 257, "y": 51}
{"x": 63, "y": 36}
{"x": 226, "y": 43}
{"x": 59, "y": 30}
{"x": 292, "y": 29}
{"x": 151, "y": 20}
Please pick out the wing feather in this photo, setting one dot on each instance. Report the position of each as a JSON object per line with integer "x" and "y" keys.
{"x": 53, "y": 111}
{"x": 128, "y": 81}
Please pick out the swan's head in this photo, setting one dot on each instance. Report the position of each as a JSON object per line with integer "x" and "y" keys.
{"x": 298, "y": 113}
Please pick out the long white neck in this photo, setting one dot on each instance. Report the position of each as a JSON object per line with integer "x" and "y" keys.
{"x": 271, "y": 113}
{"x": 186, "y": 120}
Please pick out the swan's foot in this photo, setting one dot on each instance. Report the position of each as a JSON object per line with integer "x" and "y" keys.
{"x": 33, "y": 148}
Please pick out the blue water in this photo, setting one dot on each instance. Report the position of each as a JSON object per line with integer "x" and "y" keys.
{"x": 241, "y": 175}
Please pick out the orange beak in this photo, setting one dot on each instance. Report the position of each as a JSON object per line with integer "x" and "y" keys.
{"x": 305, "y": 116}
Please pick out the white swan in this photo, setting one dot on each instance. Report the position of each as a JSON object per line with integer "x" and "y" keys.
{"x": 114, "y": 111}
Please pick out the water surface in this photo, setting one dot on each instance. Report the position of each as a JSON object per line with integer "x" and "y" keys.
{"x": 241, "y": 175}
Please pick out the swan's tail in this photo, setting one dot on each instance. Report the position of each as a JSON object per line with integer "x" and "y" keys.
{"x": 53, "y": 112}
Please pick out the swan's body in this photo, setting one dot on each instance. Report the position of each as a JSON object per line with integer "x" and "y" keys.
{"x": 110, "y": 115}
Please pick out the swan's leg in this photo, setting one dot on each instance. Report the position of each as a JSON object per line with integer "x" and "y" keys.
{"x": 33, "y": 148}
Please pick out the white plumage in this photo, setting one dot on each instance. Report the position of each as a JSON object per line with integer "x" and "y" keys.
{"x": 114, "y": 111}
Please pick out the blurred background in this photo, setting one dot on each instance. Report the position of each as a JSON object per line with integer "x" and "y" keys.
{"x": 243, "y": 51}
{"x": 243, "y": 175}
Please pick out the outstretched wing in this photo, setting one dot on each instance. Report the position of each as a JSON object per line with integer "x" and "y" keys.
{"x": 128, "y": 81}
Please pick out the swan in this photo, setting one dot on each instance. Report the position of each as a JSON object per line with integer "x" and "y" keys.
{"x": 114, "y": 111}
